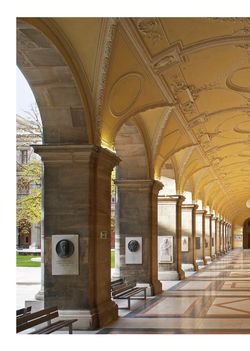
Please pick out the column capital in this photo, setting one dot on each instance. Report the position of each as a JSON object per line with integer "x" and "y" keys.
{"x": 139, "y": 184}
{"x": 210, "y": 215}
{"x": 191, "y": 206}
{"x": 172, "y": 198}
{"x": 71, "y": 153}
{"x": 203, "y": 212}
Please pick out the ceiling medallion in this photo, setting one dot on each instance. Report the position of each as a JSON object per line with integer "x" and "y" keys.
{"x": 124, "y": 93}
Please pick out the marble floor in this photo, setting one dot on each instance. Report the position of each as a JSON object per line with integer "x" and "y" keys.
{"x": 215, "y": 300}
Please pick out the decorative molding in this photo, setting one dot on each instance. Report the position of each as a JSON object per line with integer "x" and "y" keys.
{"x": 168, "y": 58}
{"x": 107, "y": 45}
{"x": 136, "y": 82}
{"x": 231, "y": 85}
{"x": 243, "y": 31}
{"x": 150, "y": 28}
{"x": 203, "y": 118}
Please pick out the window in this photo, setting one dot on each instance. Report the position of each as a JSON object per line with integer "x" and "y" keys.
{"x": 24, "y": 156}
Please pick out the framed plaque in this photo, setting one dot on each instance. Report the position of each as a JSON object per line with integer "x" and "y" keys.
{"x": 198, "y": 243}
{"x": 184, "y": 244}
{"x": 65, "y": 254}
{"x": 133, "y": 250}
{"x": 165, "y": 249}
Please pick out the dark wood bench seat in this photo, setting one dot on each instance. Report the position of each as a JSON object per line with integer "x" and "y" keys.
{"x": 32, "y": 320}
{"x": 23, "y": 311}
{"x": 121, "y": 289}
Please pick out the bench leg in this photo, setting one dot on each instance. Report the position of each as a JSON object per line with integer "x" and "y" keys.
{"x": 129, "y": 303}
{"x": 70, "y": 329}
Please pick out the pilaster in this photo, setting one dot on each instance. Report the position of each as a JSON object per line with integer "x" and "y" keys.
{"x": 77, "y": 201}
{"x": 208, "y": 235}
{"x": 189, "y": 230}
{"x": 137, "y": 217}
{"x": 200, "y": 235}
{"x": 169, "y": 224}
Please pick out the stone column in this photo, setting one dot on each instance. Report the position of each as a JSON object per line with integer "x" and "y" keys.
{"x": 77, "y": 200}
{"x": 230, "y": 237}
{"x": 217, "y": 236}
{"x": 214, "y": 235}
{"x": 221, "y": 235}
{"x": 208, "y": 238}
{"x": 189, "y": 231}
{"x": 169, "y": 237}
{"x": 137, "y": 218}
{"x": 200, "y": 237}
{"x": 227, "y": 237}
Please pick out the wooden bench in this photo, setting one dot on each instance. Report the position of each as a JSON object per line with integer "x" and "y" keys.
{"x": 23, "y": 311}
{"x": 31, "y": 320}
{"x": 121, "y": 289}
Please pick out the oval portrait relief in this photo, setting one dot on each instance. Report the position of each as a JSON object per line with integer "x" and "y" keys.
{"x": 64, "y": 248}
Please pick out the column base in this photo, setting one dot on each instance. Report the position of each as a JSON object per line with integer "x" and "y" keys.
{"x": 91, "y": 319}
{"x": 208, "y": 259}
{"x": 116, "y": 274}
{"x": 187, "y": 267}
{"x": 36, "y": 305}
{"x": 200, "y": 263}
{"x": 152, "y": 289}
{"x": 40, "y": 295}
{"x": 168, "y": 275}
{"x": 156, "y": 287}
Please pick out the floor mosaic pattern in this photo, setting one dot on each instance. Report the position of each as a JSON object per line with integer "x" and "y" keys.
{"x": 215, "y": 300}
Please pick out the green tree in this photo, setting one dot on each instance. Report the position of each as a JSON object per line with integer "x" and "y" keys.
{"x": 29, "y": 206}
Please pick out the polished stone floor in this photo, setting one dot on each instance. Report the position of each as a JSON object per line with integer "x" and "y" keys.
{"x": 215, "y": 300}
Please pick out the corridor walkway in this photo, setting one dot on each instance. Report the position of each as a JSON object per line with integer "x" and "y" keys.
{"x": 215, "y": 300}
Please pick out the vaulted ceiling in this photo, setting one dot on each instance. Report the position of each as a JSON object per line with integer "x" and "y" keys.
{"x": 184, "y": 82}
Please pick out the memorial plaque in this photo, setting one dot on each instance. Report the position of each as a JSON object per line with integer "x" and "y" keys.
{"x": 65, "y": 254}
{"x": 198, "y": 243}
{"x": 184, "y": 243}
{"x": 165, "y": 249}
{"x": 133, "y": 250}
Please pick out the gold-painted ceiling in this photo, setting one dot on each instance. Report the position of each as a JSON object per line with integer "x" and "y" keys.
{"x": 186, "y": 83}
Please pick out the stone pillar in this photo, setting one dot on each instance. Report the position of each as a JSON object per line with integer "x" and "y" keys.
{"x": 200, "y": 237}
{"x": 225, "y": 237}
{"x": 221, "y": 236}
{"x": 208, "y": 238}
{"x": 230, "y": 237}
{"x": 214, "y": 235}
{"x": 169, "y": 225}
{"x": 218, "y": 236}
{"x": 117, "y": 273}
{"x": 189, "y": 231}
{"x": 77, "y": 200}
{"x": 137, "y": 218}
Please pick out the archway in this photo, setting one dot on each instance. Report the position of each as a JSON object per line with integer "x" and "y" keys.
{"x": 72, "y": 186}
{"x": 246, "y": 234}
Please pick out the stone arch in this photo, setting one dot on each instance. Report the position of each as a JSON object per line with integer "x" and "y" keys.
{"x": 246, "y": 234}
{"x": 130, "y": 148}
{"x": 64, "y": 116}
{"x": 168, "y": 178}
